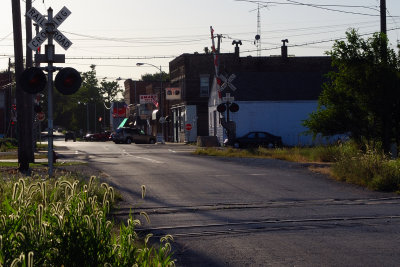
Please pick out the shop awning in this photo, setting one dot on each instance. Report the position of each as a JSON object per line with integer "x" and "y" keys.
{"x": 123, "y": 123}
{"x": 154, "y": 114}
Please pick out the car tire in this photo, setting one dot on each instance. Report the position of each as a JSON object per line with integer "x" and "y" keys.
{"x": 129, "y": 141}
{"x": 236, "y": 145}
{"x": 152, "y": 141}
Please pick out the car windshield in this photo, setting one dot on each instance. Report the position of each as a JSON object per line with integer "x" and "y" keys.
{"x": 251, "y": 135}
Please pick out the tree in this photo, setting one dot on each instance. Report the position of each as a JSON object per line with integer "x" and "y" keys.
{"x": 362, "y": 96}
{"x": 109, "y": 91}
{"x": 68, "y": 109}
{"x": 155, "y": 77}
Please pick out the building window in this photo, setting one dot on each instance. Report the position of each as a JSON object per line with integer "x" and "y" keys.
{"x": 204, "y": 85}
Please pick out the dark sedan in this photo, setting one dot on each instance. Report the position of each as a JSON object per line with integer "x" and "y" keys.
{"x": 255, "y": 139}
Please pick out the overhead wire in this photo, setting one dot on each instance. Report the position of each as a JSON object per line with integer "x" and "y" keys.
{"x": 320, "y": 6}
{"x": 191, "y": 39}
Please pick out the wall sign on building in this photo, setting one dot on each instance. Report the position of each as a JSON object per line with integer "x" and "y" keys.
{"x": 173, "y": 93}
{"x": 148, "y": 99}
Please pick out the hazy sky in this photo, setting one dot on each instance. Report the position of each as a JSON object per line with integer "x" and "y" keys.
{"x": 156, "y": 31}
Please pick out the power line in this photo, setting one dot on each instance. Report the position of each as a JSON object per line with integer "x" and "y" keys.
{"x": 315, "y": 42}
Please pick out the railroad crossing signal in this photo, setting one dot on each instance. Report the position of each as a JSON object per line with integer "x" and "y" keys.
{"x": 67, "y": 81}
{"x": 58, "y": 19}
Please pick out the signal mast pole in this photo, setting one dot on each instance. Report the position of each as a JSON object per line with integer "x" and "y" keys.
{"x": 49, "y": 48}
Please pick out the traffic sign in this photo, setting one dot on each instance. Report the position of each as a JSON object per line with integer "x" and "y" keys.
{"x": 188, "y": 127}
{"x": 58, "y": 19}
{"x": 41, "y": 116}
{"x": 228, "y": 98}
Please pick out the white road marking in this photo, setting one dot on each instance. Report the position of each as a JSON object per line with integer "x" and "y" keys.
{"x": 148, "y": 159}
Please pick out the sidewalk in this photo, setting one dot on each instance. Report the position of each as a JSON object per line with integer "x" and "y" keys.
{"x": 15, "y": 156}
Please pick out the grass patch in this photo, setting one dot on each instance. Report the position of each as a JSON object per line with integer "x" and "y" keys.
{"x": 64, "y": 222}
{"x": 296, "y": 154}
{"x": 8, "y": 144}
{"x": 41, "y": 165}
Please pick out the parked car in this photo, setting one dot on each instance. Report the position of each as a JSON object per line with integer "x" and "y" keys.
{"x": 132, "y": 135}
{"x": 255, "y": 139}
{"x": 103, "y": 136}
{"x": 70, "y": 136}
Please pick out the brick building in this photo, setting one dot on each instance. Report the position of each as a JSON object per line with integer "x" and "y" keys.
{"x": 276, "y": 78}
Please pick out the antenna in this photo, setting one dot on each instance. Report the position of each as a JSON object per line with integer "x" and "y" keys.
{"x": 257, "y": 40}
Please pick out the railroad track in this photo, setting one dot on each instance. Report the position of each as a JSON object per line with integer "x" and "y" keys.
{"x": 243, "y": 226}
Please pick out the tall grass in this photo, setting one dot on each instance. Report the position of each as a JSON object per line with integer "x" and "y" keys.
{"x": 65, "y": 223}
{"x": 367, "y": 166}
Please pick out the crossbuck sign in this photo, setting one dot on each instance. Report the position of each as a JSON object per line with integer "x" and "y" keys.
{"x": 227, "y": 82}
{"x": 38, "y": 40}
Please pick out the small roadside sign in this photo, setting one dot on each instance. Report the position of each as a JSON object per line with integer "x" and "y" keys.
{"x": 188, "y": 127}
{"x": 228, "y": 98}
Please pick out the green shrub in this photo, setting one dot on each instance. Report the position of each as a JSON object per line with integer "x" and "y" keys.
{"x": 60, "y": 223}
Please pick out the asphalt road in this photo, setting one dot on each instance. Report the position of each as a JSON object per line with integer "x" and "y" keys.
{"x": 247, "y": 212}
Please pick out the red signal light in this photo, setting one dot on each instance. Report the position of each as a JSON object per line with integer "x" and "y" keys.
{"x": 234, "y": 107}
{"x": 221, "y": 108}
{"x": 33, "y": 80}
{"x": 68, "y": 81}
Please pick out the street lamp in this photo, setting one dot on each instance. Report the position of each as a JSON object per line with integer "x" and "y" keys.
{"x": 161, "y": 96}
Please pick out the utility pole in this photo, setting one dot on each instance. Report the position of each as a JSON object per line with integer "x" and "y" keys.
{"x": 24, "y": 137}
{"x": 387, "y": 121}
{"x": 383, "y": 16}
{"x": 28, "y": 99}
{"x": 383, "y": 30}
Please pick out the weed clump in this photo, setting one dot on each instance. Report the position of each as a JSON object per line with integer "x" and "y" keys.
{"x": 367, "y": 166}
{"x": 59, "y": 222}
